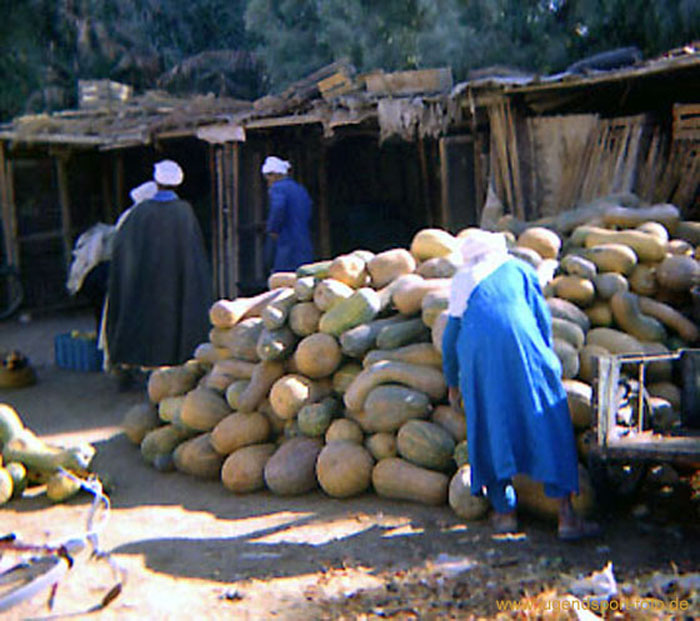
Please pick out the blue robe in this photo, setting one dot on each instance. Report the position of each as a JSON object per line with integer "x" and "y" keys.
{"x": 499, "y": 353}
{"x": 289, "y": 216}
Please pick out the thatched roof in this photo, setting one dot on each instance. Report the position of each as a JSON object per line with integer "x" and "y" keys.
{"x": 406, "y": 104}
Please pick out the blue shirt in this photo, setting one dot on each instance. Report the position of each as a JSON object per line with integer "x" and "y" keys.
{"x": 289, "y": 216}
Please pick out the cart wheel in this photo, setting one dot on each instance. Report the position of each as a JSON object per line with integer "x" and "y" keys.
{"x": 690, "y": 391}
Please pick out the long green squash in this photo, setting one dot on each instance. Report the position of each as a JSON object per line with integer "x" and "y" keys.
{"x": 362, "y": 306}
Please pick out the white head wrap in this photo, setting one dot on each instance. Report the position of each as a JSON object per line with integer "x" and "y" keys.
{"x": 478, "y": 245}
{"x": 276, "y": 165}
{"x": 167, "y": 172}
{"x": 483, "y": 253}
{"x": 143, "y": 192}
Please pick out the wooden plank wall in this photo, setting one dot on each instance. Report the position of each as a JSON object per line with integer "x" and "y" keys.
{"x": 575, "y": 159}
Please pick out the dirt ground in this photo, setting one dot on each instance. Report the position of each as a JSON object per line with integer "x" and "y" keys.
{"x": 194, "y": 550}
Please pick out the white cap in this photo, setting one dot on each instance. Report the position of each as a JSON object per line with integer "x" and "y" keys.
{"x": 167, "y": 172}
{"x": 276, "y": 165}
{"x": 144, "y": 191}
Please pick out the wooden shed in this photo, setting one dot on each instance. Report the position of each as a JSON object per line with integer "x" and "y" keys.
{"x": 383, "y": 155}
{"x": 562, "y": 140}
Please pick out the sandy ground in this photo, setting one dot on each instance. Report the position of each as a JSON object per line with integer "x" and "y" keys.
{"x": 193, "y": 550}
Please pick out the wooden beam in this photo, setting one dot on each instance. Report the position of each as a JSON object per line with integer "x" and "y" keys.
{"x": 64, "y": 201}
{"x": 282, "y": 121}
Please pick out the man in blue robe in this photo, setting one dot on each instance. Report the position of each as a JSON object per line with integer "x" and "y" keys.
{"x": 497, "y": 356}
{"x": 288, "y": 244}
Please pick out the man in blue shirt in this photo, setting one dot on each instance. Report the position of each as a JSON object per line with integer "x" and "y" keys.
{"x": 288, "y": 242}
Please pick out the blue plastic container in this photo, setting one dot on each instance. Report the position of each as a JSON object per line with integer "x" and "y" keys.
{"x": 78, "y": 354}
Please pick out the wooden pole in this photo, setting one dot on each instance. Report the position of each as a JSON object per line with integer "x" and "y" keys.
{"x": 235, "y": 217}
{"x": 514, "y": 161}
{"x": 8, "y": 241}
{"x": 324, "y": 222}
{"x": 64, "y": 200}
{"x": 109, "y": 213}
{"x": 258, "y": 196}
{"x": 119, "y": 193}
{"x": 425, "y": 179}
{"x": 221, "y": 268}
{"x": 441, "y": 219}
{"x": 213, "y": 211}
{"x": 231, "y": 285}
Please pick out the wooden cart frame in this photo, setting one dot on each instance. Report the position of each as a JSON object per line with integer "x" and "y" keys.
{"x": 637, "y": 444}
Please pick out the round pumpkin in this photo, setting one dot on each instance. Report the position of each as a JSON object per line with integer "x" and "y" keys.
{"x": 138, "y": 421}
{"x": 239, "y": 429}
{"x": 344, "y": 429}
{"x": 303, "y": 318}
{"x": 568, "y": 356}
{"x": 381, "y": 445}
{"x": 389, "y": 265}
{"x": 314, "y": 418}
{"x": 349, "y": 269}
{"x": 588, "y": 361}
{"x": 579, "y": 396}
{"x": 545, "y": 242}
{"x": 198, "y": 458}
{"x": 242, "y": 471}
{"x": 6, "y": 486}
{"x": 388, "y": 406}
{"x": 344, "y": 469}
{"x": 203, "y": 408}
{"x": 292, "y": 468}
{"x": 425, "y": 444}
{"x": 451, "y": 420}
{"x": 610, "y": 283}
{"x": 431, "y": 243}
{"x": 318, "y": 355}
{"x": 289, "y": 393}
{"x": 465, "y": 504}
{"x": 678, "y": 273}
{"x": 344, "y": 376}
{"x": 461, "y": 454}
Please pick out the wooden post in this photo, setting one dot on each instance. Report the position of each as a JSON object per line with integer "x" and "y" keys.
{"x": 441, "y": 220}
{"x": 324, "y": 222}
{"x": 258, "y": 194}
{"x": 235, "y": 207}
{"x": 64, "y": 200}
{"x": 231, "y": 284}
{"x": 424, "y": 178}
{"x": 213, "y": 211}
{"x": 514, "y": 161}
{"x": 108, "y": 211}
{"x": 220, "y": 210}
{"x": 118, "y": 170}
{"x": 9, "y": 217}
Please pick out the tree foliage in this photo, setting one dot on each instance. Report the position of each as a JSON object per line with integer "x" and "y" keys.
{"x": 247, "y": 47}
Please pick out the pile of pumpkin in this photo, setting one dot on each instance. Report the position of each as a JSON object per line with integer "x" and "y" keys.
{"x": 333, "y": 378}
{"x": 27, "y": 460}
{"x": 621, "y": 284}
